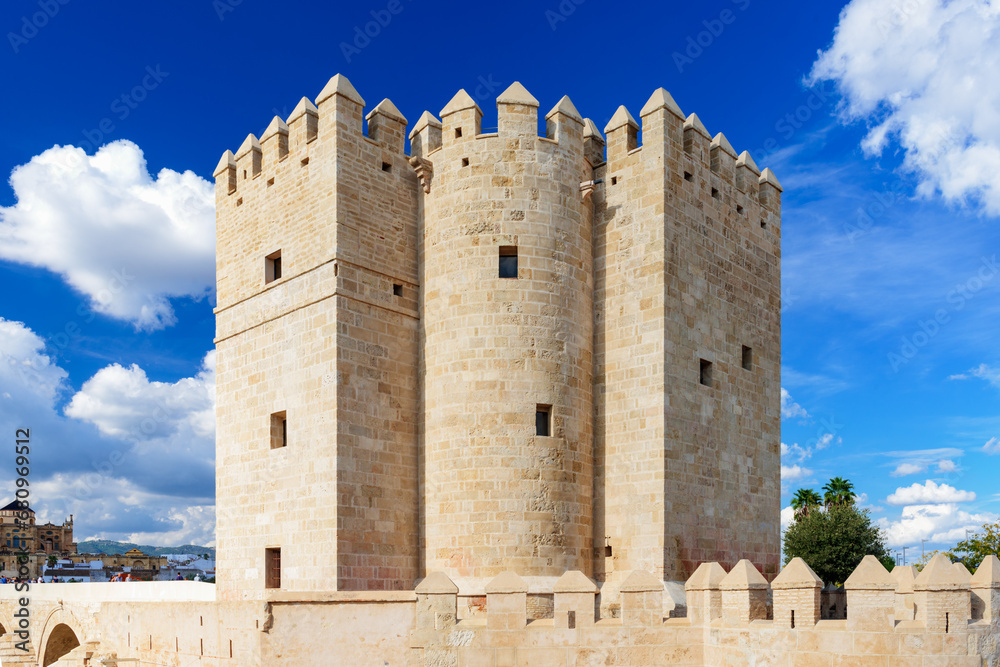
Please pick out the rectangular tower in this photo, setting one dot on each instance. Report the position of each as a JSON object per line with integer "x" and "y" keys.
{"x": 317, "y": 353}
{"x": 687, "y": 350}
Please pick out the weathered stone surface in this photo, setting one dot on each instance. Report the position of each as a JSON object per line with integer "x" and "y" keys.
{"x": 797, "y": 574}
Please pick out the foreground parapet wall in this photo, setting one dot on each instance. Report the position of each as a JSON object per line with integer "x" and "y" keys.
{"x": 734, "y": 618}
{"x": 687, "y": 291}
{"x": 180, "y": 624}
{"x": 730, "y": 621}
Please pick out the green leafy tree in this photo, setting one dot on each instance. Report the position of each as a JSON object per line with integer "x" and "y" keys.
{"x": 835, "y": 540}
{"x": 838, "y": 491}
{"x": 971, "y": 552}
{"x": 53, "y": 560}
{"x": 804, "y": 501}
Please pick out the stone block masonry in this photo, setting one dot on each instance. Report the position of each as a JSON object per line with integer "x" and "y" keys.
{"x": 501, "y": 352}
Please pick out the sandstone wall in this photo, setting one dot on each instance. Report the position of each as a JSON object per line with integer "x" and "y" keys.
{"x": 498, "y": 495}
{"x": 332, "y": 344}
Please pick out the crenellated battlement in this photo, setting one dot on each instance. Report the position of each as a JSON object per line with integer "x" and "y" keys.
{"x": 741, "y": 597}
{"x": 304, "y": 135}
{"x": 731, "y": 618}
{"x": 710, "y": 164}
{"x": 460, "y": 130}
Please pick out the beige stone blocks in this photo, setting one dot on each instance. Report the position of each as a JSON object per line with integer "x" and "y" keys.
{"x": 498, "y": 351}
{"x": 744, "y": 594}
{"x": 642, "y": 599}
{"x": 506, "y": 602}
{"x": 871, "y": 593}
{"x": 796, "y": 596}
{"x": 437, "y": 598}
{"x": 985, "y": 584}
{"x": 575, "y": 594}
{"x": 662, "y": 219}
{"x": 704, "y": 593}
{"x": 332, "y": 342}
{"x": 905, "y": 601}
{"x": 942, "y": 596}
{"x": 640, "y": 635}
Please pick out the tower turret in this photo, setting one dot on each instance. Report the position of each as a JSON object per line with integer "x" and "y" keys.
{"x": 507, "y": 329}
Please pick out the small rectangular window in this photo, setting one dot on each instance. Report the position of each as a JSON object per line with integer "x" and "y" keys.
{"x": 272, "y": 267}
{"x": 688, "y": 177}
{"x": 739, "y": 210}
{"x": 397, "y": 290}
{"x": 386, "y": 166}
{"x": 747, "y": 358}
{"x": 270, "y": 182}
{"x": 763, "y": 225}
{"x": 272, "y": 568}
{"x": 543, "y": 420}
{"x": 715, "y": 193}
{"x": 614, "y": 180}
{"x": 508, "y": 261}
{"x": 304, "y": 161}
{"x": 279, "y": 430}
{"x": 465, "y": 162}
{"x": 706, "y": 373}
{"x": 458, "y": 133}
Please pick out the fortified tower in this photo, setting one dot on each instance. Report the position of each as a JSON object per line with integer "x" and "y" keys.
{"x": 507, "y": 277}
{"x": 500, "y": 352}
{"x": 317, "y": 381}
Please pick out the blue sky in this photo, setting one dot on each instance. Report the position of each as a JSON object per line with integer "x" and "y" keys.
{"x": 880, "y": 117}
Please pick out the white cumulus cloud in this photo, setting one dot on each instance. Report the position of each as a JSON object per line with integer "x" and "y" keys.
{"x": 131, "y": 457}
{"x": 904, "y": 469}
{"x": 789, "y": 408}
{"x": 127, "y": 240}
{"x": 947, "y": 466}
{"x": 928, "y": 493}
{"x": 795, "y": 453}
{"x": 123, "y": 402}
{"x": 939, "y": 523}
{"x": 787, "y": 516}
{"x": 792, "y": 473}
{"x": 923, "y": 74}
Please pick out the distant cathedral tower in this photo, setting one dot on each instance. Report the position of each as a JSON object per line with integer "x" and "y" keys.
{"x": 502, "y": 351}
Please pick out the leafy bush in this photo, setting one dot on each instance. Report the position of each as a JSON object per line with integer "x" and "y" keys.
{"x": 835, "y": 540}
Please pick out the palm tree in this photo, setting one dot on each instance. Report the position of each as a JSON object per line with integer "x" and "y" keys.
{"x": 804, "y": 501}
{"x": 839, "y": 491}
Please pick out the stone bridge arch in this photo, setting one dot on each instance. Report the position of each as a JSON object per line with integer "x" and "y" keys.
{"x": 61, "y": 633}
{"x": 9, "y": 627}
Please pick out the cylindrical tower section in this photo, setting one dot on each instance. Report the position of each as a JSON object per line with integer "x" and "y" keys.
{"x": 507, "y": 279}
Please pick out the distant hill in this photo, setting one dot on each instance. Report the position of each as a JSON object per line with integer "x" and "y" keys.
{"x": 111, "y": 547}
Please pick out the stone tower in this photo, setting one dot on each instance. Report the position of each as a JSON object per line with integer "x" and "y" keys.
{"x": 503, "y": 351}
{"x": 500, "y": 352}
{"x": 317, "y": 384}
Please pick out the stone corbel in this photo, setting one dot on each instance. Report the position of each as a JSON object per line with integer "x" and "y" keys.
{"x": 425, "y": 171}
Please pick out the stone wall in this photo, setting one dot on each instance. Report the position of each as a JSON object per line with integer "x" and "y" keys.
{"x": 734, "y": 618}
{"x": 687, "y": 266}
{"x": 735, "y": 628}
{"x": 330, "y": 345}
{"x": 496, "y": 493}
{"x": 179, "y": 624}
